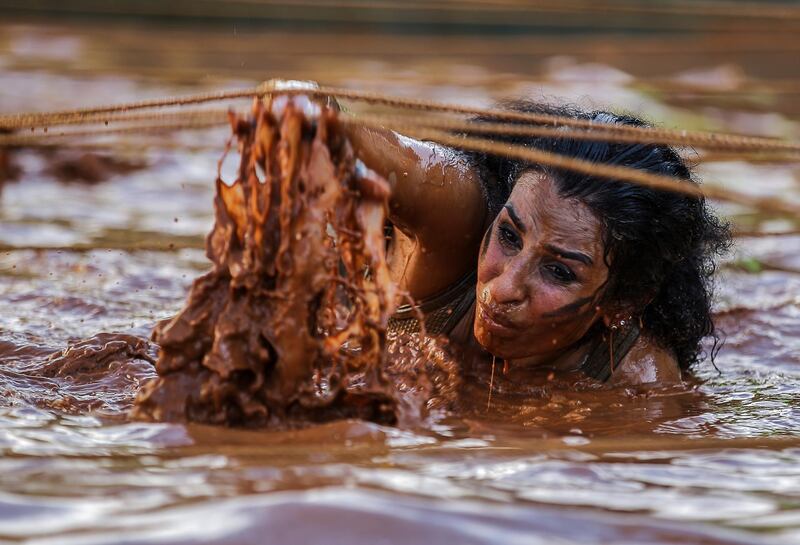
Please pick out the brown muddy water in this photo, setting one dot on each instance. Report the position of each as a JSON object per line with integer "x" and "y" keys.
{"x": 716, "y": 461}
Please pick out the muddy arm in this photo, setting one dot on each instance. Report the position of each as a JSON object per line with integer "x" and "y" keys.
{"x": 436, "y": 201}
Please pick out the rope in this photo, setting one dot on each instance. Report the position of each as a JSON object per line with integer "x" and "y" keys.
{"x": 654, "y": 181}
{"x": 210, "y": 118}
{"x": 422, "y": 129}
{"x": 119, "y": 146}
{"x": 80, "y": 115}
{"x": 762, "y": 150}
{"x": 21, "y": 140}
{"x": 704, "y": 139}
{"x": 599, "y": 133}
{"x": 710, "y": 139}
{"x": 220, "y": 115}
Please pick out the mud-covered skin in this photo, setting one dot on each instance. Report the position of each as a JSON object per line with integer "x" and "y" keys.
{"x": 287, "y": 327}
{"x": 541, "y": 276}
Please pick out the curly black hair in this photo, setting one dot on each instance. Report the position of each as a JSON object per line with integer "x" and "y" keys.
{"x": 661, "y": 247}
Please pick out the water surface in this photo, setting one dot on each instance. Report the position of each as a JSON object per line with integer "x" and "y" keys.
{"x": 716, "y": 461}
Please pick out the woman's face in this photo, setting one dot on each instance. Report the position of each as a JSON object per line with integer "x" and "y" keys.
{"x": 540, "y": 273}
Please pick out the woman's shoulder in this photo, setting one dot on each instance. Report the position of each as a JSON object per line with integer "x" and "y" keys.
{"x": 647, "y": 363}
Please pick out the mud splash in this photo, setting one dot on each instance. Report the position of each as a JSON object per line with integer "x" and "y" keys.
{"x": 290, "y": 324}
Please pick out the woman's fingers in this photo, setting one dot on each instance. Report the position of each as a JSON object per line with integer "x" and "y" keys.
{"x": 309, "y": 104}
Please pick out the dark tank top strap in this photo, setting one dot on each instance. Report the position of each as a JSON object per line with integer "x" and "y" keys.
{"x": 607, "y": 350}
{"x": 441, "y": 312}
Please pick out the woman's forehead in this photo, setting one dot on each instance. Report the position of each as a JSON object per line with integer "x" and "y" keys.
{"x": 535, "y": 198}
{"x": 533, "y": 187}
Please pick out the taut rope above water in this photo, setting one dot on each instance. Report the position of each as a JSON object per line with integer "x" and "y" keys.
{"x": 433, "y": 128}
{"x": 100, "y": 114}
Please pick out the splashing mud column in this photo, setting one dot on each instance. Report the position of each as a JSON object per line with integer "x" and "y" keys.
{"x": 290, "y": 324}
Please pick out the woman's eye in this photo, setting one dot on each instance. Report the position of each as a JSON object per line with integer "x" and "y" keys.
{"x": 508, "y": 237}
{"x": 561, "y": 272}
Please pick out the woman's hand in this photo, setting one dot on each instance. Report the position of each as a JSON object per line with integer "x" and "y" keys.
{"x": 310, "y": 104}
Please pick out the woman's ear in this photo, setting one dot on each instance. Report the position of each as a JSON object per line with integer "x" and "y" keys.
{"x": 621, "y": 314}
{"x": 616, "y": 317}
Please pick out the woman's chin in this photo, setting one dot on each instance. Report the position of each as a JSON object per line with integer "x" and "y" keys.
{"x": 501, "y": 347}
{"x": 511, "y": 347}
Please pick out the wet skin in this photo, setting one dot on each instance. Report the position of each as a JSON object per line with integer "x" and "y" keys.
{"x": 541, "y": 273}
{"x": 545, "y": 272}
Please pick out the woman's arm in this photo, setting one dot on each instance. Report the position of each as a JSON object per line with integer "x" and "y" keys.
{"x": 437, "y": 202}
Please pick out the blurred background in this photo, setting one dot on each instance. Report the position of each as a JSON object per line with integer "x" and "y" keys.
{"x": 726, "y": 65}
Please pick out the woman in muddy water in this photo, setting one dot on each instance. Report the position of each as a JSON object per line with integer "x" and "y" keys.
{"x": 549, "y": 269}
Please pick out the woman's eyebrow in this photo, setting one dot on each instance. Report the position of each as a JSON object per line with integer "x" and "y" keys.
{"x": 514, "y": 217}
{"x": 568, "y": 254}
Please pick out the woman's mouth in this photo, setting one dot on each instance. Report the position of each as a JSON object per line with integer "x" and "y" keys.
{"x": 496, "y": 323}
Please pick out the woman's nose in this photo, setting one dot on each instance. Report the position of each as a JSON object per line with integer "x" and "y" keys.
{"x": 508, "y": 288}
